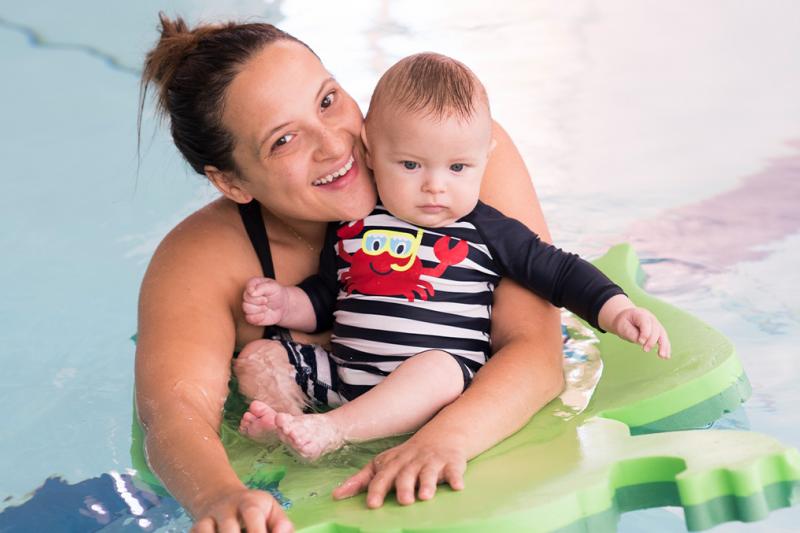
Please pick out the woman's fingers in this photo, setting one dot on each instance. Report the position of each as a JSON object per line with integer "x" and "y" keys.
{"x": 254, "y": 519}
{"x": 355, "y": 484}
{"x": 379, "y": 487}
{"x": 405, "y": 484}
{"x": 428, "y": 480}
{"x": 229, "y": 524}
{"x": 252, "y": 510}
{"x": 454, "y": 475}
{"x": 278, "y": 523}
{"x": 265, "y": 516}
{"x": 206, "y": 525}
{"x": 410, "y": 469}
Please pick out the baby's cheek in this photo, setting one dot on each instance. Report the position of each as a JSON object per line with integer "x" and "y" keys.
{"x": 393, "y": 195}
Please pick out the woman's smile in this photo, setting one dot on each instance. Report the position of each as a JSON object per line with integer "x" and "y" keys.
{"x": 336, "y": 174}
{"x": 340, "y": 178}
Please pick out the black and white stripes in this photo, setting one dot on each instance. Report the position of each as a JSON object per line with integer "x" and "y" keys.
{"x": 373, "y": 334}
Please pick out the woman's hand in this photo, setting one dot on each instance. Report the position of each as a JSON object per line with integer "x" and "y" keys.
{"x": 418, "y": 462}
{"x": 254, "y": 510}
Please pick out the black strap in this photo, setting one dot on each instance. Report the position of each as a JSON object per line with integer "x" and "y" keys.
{"x": 257, "y": 231}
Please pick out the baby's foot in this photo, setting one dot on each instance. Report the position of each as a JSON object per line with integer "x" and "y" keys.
{"x": 258, "y": 423}
{"x": 311, "y": 436}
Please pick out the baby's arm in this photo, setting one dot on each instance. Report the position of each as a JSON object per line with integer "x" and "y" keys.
{"x": 266, "y": 303}
{"x": 635, "y": 324}
{"x": 306, "y": 307}
{"x": 566, "y": 280}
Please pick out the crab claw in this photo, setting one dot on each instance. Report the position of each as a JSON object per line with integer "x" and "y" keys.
{"x": 447, "y": 255}
{"x": 350, "y": 230}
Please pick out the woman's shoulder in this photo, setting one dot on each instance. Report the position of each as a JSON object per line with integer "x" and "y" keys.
{"x": 201, "y": 240}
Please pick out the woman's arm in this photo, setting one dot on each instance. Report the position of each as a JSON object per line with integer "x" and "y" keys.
{"x": 186, "y": 337}
{"x": 527, "y": 339}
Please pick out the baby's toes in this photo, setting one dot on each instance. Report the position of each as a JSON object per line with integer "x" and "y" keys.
{"x": 296, "y": 435}
{"x": 309, "y": 451}
{"x": 257, "y": 409}
{"x": 283, "y": 421}
{"x": 245, "y": 424}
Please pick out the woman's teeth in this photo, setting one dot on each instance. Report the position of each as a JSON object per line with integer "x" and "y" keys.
{"x": 335, "y": 175}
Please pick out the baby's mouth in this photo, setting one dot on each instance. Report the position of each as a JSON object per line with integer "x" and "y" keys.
{"x": 333, "y": 176}
{"x": 433, "y": 208}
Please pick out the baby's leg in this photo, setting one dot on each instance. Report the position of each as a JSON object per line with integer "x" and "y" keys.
{"x": 401, "y": 403}
{"x": 266, "y": 377}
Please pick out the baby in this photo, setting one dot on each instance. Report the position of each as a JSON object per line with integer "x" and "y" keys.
{"x": 410, "y": 286}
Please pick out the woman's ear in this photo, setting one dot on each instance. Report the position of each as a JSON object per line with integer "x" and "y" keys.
{"x": 365, "y": 142}
{"x": 228, "y": 184}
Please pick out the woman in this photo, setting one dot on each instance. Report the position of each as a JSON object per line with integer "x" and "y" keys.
{"x": 255, "y": 111}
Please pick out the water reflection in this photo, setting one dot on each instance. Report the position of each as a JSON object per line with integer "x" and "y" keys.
{"x": 730, "y": 227}
{"x": 110, "y": 502}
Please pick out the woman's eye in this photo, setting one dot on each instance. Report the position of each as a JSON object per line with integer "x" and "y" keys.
{"x": 457, "y": 167}
{"x": 327, "y": 101}
{"x": 410, "y": 165}
{"x": 283, "y": 140}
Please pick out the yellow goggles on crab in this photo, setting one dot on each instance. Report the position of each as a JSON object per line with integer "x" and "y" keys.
{"x": 399, "y": 244}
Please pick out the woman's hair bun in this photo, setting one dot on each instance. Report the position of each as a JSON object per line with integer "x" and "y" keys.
{"x": 172, "y": 27}
{"x": 177, "y": 41}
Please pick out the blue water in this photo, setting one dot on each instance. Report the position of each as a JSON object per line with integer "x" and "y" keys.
{"x": 673, "y": 125}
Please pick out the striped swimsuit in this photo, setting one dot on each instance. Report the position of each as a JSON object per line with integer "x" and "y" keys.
{"x": 393, "y": 290}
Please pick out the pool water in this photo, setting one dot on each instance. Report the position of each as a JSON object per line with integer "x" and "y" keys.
{"x": 674, "y": 126}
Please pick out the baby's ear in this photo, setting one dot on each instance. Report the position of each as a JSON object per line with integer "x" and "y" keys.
{"x": 492, "y": 145}
{"x": 365, "y": 142}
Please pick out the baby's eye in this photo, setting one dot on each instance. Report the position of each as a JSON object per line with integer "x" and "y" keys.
{"x": 283, "y": 140}
{"x": 457, "y": 167}
{"x": 410, "y": 165}
{"x": 328, "y": 100}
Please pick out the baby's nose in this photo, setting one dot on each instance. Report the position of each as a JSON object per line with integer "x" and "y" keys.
{"x": 433, "y": 183}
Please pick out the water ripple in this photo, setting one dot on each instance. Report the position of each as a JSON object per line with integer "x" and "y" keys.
{"x": 36, "y": 40}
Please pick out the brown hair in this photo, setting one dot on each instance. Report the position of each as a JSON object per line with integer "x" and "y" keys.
{"x": 192, "y": 69}
{"x": 431, "y": 83}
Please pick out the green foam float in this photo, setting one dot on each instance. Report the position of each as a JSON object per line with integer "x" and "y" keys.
{"x": 571, "y": 470}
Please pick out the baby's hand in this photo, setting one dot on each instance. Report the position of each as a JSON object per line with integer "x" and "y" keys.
{"x": 264, "y": 301}
{"x": 638, "y": 325}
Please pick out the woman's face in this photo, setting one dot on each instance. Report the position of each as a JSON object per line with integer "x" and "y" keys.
{"x": 297, "y": 137}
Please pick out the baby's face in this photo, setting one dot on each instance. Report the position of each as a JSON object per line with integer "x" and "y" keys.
{"x": 428, "y": 171}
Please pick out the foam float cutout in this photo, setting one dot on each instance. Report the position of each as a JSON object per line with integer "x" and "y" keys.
{"x": 630, "y": 448}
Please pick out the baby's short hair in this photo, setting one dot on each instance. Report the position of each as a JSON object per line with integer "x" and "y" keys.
{"x": 434, "y": 84}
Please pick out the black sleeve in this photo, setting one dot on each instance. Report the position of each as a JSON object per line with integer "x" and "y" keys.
{"x": 322, "y": 288}
{"x": 562, "y": 278}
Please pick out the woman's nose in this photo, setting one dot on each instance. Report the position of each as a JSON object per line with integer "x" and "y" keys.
{"x": 332, "y": 144}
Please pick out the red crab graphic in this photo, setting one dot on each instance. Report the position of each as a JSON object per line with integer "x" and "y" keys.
{"x": 387, "y": 264}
